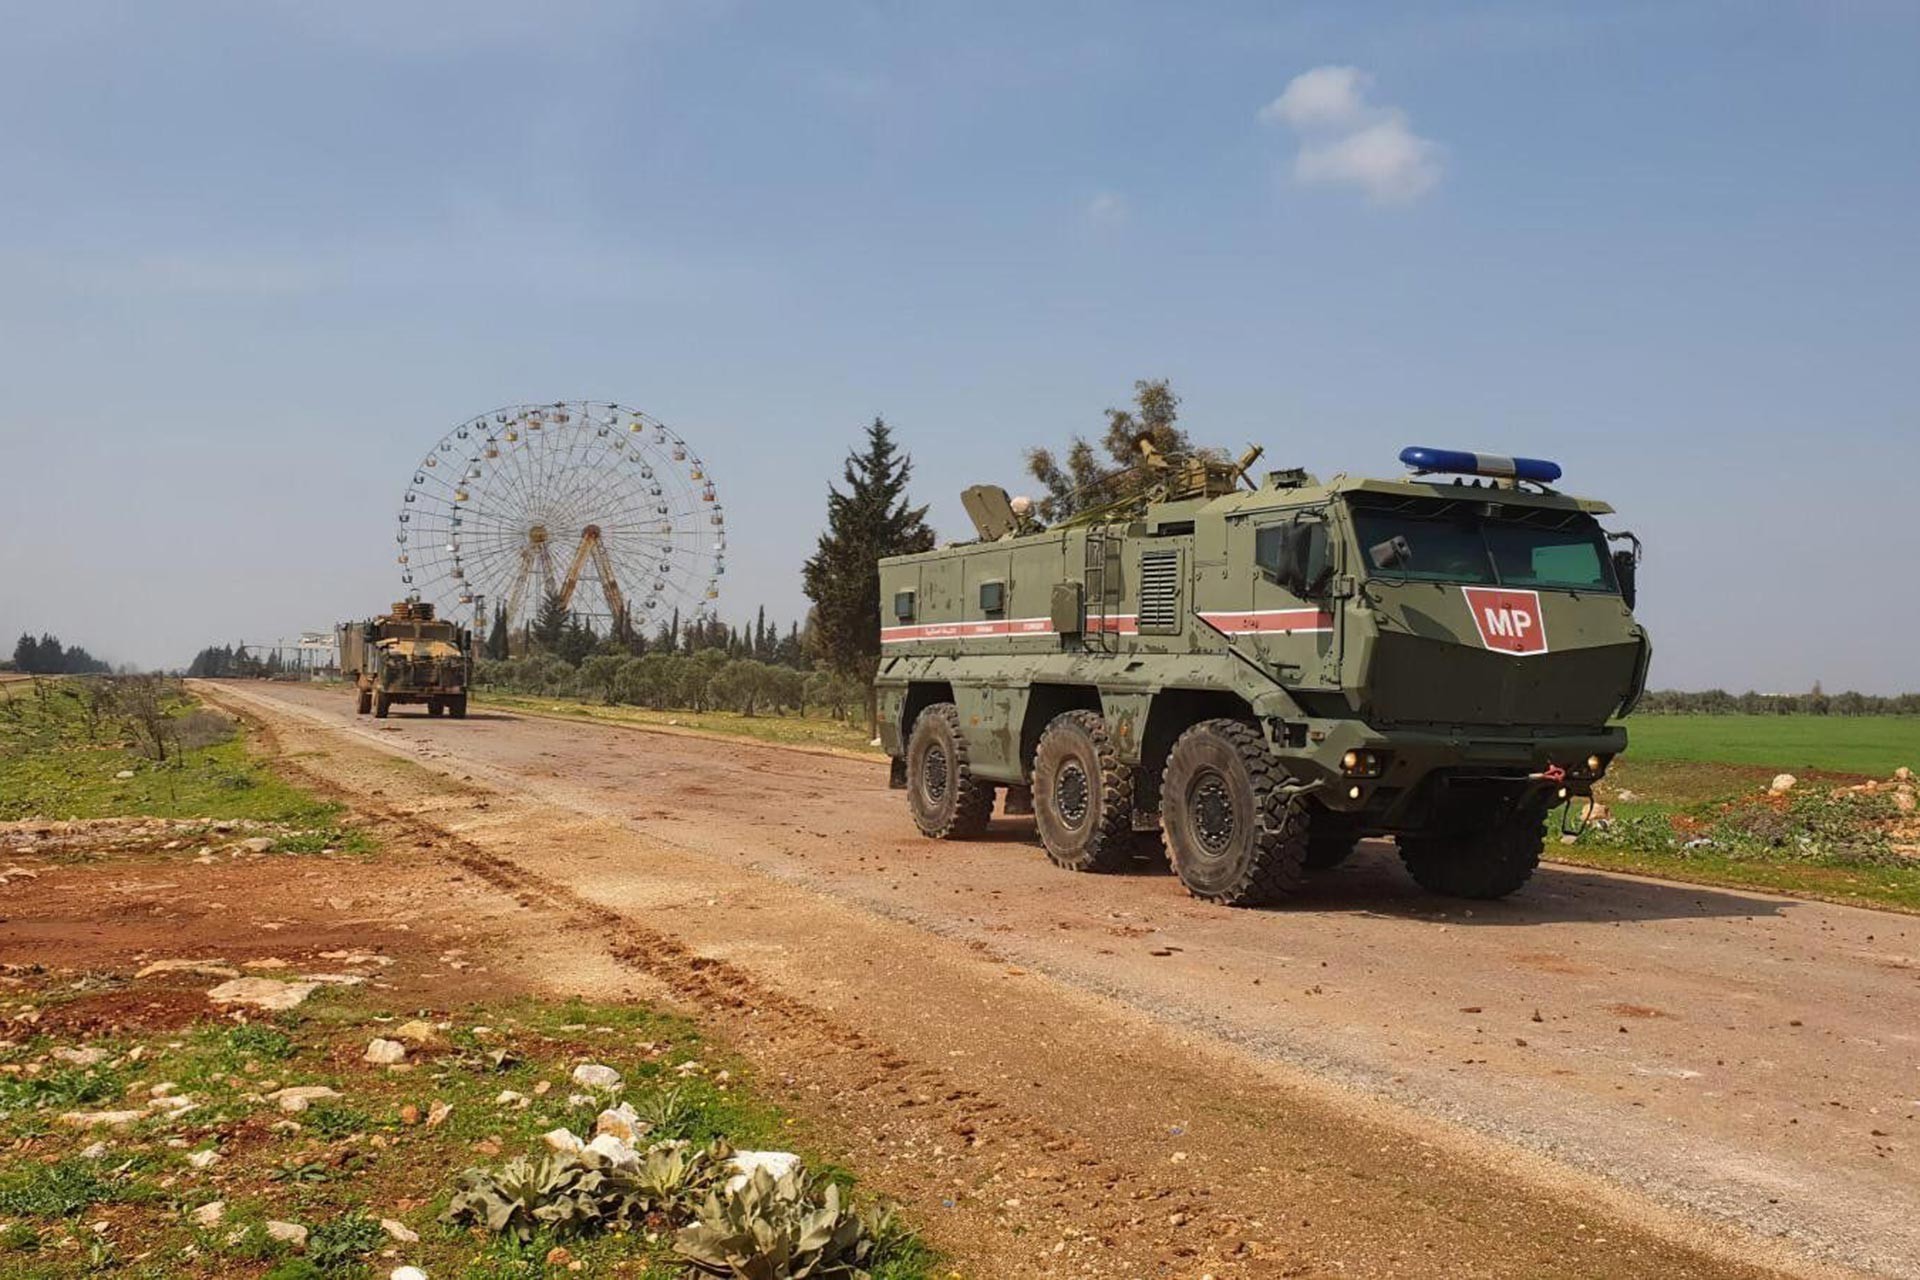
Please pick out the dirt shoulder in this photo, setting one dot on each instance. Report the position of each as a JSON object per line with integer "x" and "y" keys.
{"x": 1037, "y": 1130}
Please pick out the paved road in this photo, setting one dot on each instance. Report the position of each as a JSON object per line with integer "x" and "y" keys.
{"x": 1751, "y": 1057}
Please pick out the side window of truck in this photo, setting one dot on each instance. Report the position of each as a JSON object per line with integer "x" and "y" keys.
{"x": 903, "y": 605}
{"x": 993, "y": 598}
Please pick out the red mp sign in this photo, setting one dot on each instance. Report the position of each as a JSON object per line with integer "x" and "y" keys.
{"x": 1509, "y": 621}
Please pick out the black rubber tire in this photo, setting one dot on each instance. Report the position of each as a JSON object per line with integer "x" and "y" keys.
{"x": 457, "y": 705}
{"x": 1324, "y": 853}
{"x": 363, "y": 702}
{"x": 1233, "y": 837}
{"x": 946, "y": 800}
{"x": 381, "y": 704}
{"x": 1082, "y": 794}
{"x": 1490, "y": 863}
{"x": 435, "y": 706}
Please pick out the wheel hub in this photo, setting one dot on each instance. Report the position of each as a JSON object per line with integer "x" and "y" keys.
{"x": 1211, "y": 807}
{"x": 1071, "y": 793}
{"x": 935, "y": 772}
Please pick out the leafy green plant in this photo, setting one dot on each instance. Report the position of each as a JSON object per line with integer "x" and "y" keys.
{"x": 330, "y": 1120}
{"x": 786, "y": 1228}
{"x": 253, "y": 1040}
{"x": 63, "y": 1189}
{"x": 524, "y": 1196}
{"x": 342, "y": 1242}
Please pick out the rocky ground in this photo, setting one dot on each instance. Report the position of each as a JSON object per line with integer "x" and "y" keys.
{"x": 1059, "y": 1076}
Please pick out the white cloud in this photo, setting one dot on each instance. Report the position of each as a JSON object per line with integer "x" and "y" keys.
{"x": 1325, "y": 97}
{"x": 1387, "y": 160}
{"x": 1345, "y": 140}
{"x": 1107, "y": 208}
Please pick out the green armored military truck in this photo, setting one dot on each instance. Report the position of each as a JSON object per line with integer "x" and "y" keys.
{"x": 1265, "y": 673}
{"x": 406, "y": 655}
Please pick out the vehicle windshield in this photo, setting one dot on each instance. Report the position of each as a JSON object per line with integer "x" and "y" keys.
{"x": 1567, "y": 554}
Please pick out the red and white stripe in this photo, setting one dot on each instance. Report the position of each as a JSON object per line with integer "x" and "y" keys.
{"x": 1270, "y": 622}
{"x": 1257, "y": 622}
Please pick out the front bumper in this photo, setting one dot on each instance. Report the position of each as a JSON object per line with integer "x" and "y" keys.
{"x": 1418, "y": 763}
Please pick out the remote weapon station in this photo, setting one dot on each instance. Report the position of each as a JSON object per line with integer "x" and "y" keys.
{"x": 1263, "y": 673}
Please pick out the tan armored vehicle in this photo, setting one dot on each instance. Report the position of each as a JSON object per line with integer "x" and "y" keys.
{"x": 406, "y": 655}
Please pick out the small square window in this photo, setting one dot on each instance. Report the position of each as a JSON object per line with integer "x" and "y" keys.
{"x": 903, "y": 605}
{"x": 993, "y": 597}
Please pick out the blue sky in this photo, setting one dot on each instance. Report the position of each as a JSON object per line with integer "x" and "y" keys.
{"x": 256, "y": 257}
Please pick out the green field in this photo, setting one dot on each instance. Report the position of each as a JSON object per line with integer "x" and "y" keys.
{"x": 1874, "y": 745}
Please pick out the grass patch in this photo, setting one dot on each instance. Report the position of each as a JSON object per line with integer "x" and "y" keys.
{"x": 65, "y": 744}
{"x": 1872, "y": 745}
{"x": 503, "y": 1071}
{"x": 786, "y": 731}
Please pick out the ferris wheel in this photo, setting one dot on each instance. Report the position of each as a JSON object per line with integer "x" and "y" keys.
{"x": 599, "y": 505}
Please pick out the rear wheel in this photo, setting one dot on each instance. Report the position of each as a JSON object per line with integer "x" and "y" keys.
{"x": 1490, "y": 862}
{"x": 1234, "y": 837}
{"x": 381, "y": 702}
{"x": 1082, "y": 794}
{"x": 457, "y": 704}
{"x": 435, "y": 706}
{"x": 947, "y": 801}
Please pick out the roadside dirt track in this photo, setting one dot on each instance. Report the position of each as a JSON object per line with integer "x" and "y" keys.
{"x": 1109, "y": 1069}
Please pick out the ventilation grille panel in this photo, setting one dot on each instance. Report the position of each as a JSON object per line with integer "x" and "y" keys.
{"x": 1159, "y": 590}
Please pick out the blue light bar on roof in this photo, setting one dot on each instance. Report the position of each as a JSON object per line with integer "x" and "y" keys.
{"x": 1460, "y": 462}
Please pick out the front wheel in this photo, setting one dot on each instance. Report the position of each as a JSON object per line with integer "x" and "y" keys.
{"x": 1082, "y": 794}
{"x": 1490, "y": 862}
{"x": 947, "y": 801}
{"x": 1235, "y": 837}
{"x": 381, "y": 704}
{"x": 363, "y": 702}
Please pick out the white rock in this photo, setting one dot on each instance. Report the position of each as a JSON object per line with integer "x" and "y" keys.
{"x": 1781, "y": 784}
{"x": 300, "y": 1097}
{"x": 416, "y": 1031}
{"x": 95, "y": 1151}
{"x": 510, "y": 1098}
{"x": 564, "y": 1141}
{"x": 437, "y": 1114}
{"x": 747, "y": 1163}
{"x": 622, "y": 1122}
{"x": 399, "y": 1232}
{"x": 407, "y": 1273}
{"x": 615, "y": 1152}
{"x": 204, "y": 1159}
{"x": 386, "y": 1052}
{"x": 84, "y": 1057}
{"x": 94, "y": 1119}
{"x": 209, "y": 1214}
{"x": 124, "y": 773}
{"x": 205, "y": 968}
{"x": 258, "y": 844}
{"x": 594, "y": 1076}
{"x": 289, "y": 1233}
{"x": 262, "y": 993}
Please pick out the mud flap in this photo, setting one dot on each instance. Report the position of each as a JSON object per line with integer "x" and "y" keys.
{"x": 897, "y": 773}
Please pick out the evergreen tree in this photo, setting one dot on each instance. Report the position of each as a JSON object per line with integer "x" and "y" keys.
{"x": 871, "y": 519}
{"x": 549, "y": 628}
{"x": 25, "y": 652}
{"x": 497, "y": 647}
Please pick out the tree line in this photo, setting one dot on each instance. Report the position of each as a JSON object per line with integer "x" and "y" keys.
{"x": 1815, "y": 702}
{"x": 48, "y": 657}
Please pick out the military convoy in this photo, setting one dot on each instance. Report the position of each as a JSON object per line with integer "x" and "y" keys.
{"x": 407, "y": 656}
{"x": 1263, "y": 673}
